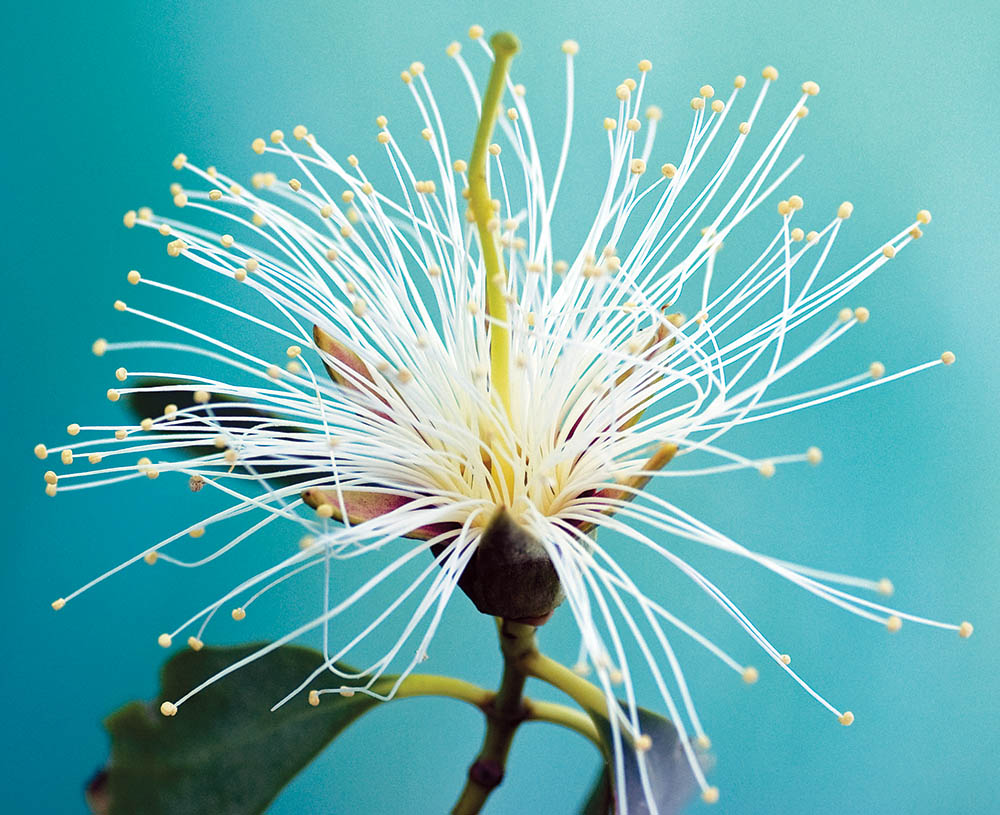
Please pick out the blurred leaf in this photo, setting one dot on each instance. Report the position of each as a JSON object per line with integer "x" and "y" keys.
{"x": 224, "y": 752}
{"x": 600, "y": 800}
{"x": 228, "y": 415}
{"x": 671, "y": 780}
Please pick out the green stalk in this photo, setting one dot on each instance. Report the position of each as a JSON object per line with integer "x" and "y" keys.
{"x": 505, "y": 46}
{"x": 503, "y": 716}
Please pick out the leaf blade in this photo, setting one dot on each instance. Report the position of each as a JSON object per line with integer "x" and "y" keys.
{"x": 224, "y": 752}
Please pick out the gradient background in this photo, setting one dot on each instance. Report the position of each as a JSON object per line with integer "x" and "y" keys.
{"x": 99, "y": 100}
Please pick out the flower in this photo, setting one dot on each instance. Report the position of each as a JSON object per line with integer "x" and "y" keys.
{"x": 454, "y": 376}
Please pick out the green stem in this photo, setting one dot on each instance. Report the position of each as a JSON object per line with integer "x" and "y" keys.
{"x": 505, "y": 45}
{"x": 503, "y": 715}
{"x": 585, "y": 694}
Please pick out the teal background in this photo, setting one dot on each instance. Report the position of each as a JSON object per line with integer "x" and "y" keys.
{"x": 99, "y": 99}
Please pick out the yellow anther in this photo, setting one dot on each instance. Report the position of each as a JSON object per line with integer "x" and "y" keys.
{"x": 924, "y": 216}
{"x": 965, "y": 630}
{"x": 51, "y": 477}
{"x": 844, "y": 210}
{"x": 179, "y": 161}
{"x": 227, "y": 241}
{"x": 251, "y": 265}
{"x": 846, "y": 718}
{"x": 770, "y": 72}
{"x": 718, "y": 106}
{"x": 785, "y": 659}
{"x": 631, "y": 84}
{"x": 314, "y": 694}
{"x": 812, "y": 236}
{"x": 494, "y": 149}
{"x": 73, "y": 429}
{"x": 293, "y": 351}
{"x": 238, "y": 614}
{"x": 66, "y": 456}
{"x": 889, "y": 251}
{"x": 893, "y": 623}
{"x": 406, "y": 76}
{"x": 151, "y": 557}
{"x": 168, "y": 709}
{"x": 214, "y": 195}
{"x": 810, "y": 87}
{"x": 861, "y": 314}
{"x": 453, "y": 49}
{"x": 947, "y": 357}
{"x": 324, "y": 511}
{"x": 707, "y": 91}
{"x": 121, "y": 434}
{"x": 258, "y": 219}
{"x": 50, "y": 490}
{"x": 814, "y": 455}
{"x": 784, "y": 208}
{"x": 885, "y": 587}
{"x": 239, "y": 275}
{"x": 643, "y": 743}
{"x": 41, "y": 451}
{"x": 58, "y": 604}
{"x": 750, "y": 675}
{"x": 258, "y": 146}
{"x": 697, "y": 103}
{"x": 113, "y": 395}
{"x": 740, "y": 81}
{"x": 195, "y": 644}
{"x": 844, "y": 315}
{"x": 654, "y": 113}
{"x": 416, "y": 68}
{"x": 129, "y": 219}
{"x": 299, "y": 132}
{"x": 164, "y": 229}
{"x": 802, "y": 112}
{"x": 609, "y": 123}
{"x": 164, "y": 640}
{"x": 710, "y": 795}
{"x": 295, "y": 184}
{"x": 475, "y": 32}
{"x": 332, "y": 254}
{"x": 202, "y": 397}
{"x": 797, "y": 234}
{"x": 460, "y": 166}
{"x": 119, "y": 305}
{"x": 235, "y": 189}
{"x": 796, "y": 202}
{"x": 145, "y": 213}
{"x": 571, "y": 47}
{"x": 876, "y": 370}
{"x": 916, "y": 233}
{"x": 638, "y": 166}
{"x": 766, "y": 469}
{"x": 633, "y": 125}
{"x": 95, "y": 458}
{"x": 668, "y": 170}
{"x": 623, "y": 92}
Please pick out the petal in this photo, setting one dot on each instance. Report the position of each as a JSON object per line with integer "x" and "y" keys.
{"x": 363, "y": 505}
{"x": 660, "y": 459}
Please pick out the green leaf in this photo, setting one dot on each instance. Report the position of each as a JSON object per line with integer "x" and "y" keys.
{"x": 600, "y": 801}
{"x": 228, "y": 415}
{"x": 671, "y": 780}
{"x": 224, "y": 752}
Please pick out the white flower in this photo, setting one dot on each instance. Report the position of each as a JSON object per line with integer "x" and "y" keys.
{"x": 555, "y": 384}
